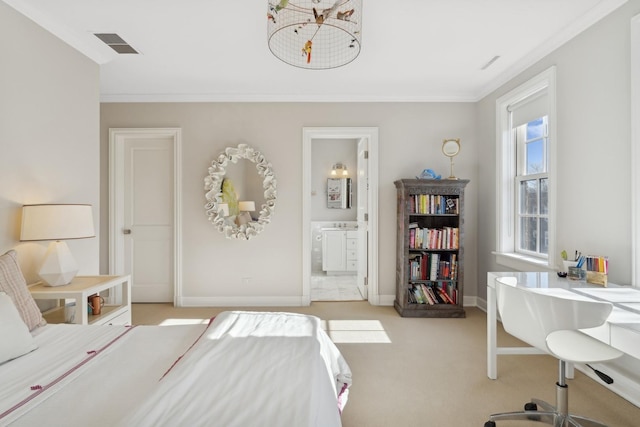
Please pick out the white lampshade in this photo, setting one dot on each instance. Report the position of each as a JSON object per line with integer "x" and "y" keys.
{"x": 57, "y": 222}
{"x": 247, "y": 206}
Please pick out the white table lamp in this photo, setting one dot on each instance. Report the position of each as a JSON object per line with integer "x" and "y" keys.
{"x": 57, "y": 223}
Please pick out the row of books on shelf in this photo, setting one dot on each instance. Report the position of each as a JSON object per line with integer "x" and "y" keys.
{"x": 433, "y": 238}
{"x": 442, "y": 293}
{"x": 433, "y": 204}
{"x": 433, "y": 266}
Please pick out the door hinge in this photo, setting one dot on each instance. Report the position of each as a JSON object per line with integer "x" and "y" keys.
{"x": 366, "y": 217}
{"x": 366, "y": 154}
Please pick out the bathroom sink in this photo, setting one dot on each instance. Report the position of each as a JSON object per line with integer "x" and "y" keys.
{"x": 339, "y": 228}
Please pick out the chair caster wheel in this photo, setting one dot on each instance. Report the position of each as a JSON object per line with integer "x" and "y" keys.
{"x": 490, "y": 424}
{"x": 532, "y": 407}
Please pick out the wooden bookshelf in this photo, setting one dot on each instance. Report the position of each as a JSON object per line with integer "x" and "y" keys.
{"x": 430, "y": 250}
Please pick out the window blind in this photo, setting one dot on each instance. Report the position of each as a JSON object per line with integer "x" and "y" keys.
{"x": 529, "y": 108}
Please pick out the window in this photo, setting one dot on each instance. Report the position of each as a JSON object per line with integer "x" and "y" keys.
{"x": 532, "y": 188}
{"x": 525, "y": 174}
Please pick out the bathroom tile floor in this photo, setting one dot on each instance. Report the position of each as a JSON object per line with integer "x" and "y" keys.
{"x": 334, "y": 288}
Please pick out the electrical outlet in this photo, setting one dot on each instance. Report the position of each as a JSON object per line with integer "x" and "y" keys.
{"x": 246, "y": 280}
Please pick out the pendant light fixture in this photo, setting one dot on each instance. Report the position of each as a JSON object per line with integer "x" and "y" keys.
{"x": 314, "y": 34}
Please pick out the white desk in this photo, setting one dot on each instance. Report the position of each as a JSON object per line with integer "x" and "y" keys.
{"x": 622, "y": 329}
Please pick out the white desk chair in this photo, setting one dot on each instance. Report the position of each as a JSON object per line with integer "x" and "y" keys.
{"x": 551, "y": 323}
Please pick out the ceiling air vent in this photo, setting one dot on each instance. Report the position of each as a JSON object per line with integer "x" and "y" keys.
{"x": 490, "y": 63}
{"x": 116, "y": 42}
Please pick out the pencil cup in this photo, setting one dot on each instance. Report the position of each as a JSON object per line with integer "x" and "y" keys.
{"x": 576, "y": 273}
{"x": 567, "y": 264}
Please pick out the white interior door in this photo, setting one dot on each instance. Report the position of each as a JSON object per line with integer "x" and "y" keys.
{"x": 144, "y": 223}
{"x": 363, "y": 215}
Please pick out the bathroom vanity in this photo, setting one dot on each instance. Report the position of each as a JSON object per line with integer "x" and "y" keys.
{"x": 339, "y": 251}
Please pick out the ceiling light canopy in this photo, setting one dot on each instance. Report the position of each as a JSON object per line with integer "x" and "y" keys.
{"x": 315, "y": 34}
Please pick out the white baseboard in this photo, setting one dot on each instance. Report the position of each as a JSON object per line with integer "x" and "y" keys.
{"x": 386, "y": 300}
{"x": 383, "y": 300}
{"x": 241, "y": 302}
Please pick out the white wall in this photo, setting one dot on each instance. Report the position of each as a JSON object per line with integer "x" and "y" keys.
{"x": 411, "y": 136}
{"x": 49, "y": 121}
{"x": 593, "y": 147}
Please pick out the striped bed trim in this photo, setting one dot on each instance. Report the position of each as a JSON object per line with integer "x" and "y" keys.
{"x": 39, "y": 389}
{"x": 189, "y": 349}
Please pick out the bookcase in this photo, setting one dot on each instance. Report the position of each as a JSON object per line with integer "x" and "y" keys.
{"x": 430, "y": 249}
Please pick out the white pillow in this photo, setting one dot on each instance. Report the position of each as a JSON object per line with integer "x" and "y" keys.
{"x": 16, "y": 339}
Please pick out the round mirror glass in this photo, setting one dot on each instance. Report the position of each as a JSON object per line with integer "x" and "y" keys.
{"x": 451, "y": 147}
{"x": 241, "y": 192}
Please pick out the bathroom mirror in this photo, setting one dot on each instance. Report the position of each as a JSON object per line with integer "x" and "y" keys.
{"x": 217, "y": 207}
{"x": 451, "y": 148}
{"x": 339, "y": 193}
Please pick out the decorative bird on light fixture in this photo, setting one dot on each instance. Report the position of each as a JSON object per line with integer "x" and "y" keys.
{"x": 283, "y": 3}
{"x": 346, "y": 15}
{"x": 326, "y": 13}
{"x": 307, "y": 50}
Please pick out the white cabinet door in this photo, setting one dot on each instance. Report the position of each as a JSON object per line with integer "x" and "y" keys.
{"x": 334, "y": 248}
{"x": 352, "y": 251}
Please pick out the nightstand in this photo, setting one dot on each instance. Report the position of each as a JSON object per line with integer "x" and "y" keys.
{"x": 80, "y": 288}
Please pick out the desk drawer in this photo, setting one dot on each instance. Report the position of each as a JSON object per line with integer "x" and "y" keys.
{"x": 602, "y": 333}
{"x": 626, "y": 338}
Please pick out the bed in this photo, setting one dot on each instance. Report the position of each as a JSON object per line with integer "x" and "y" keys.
{"x": 241, "y": 369}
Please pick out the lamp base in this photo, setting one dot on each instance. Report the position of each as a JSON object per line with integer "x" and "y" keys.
{"x": 58, "y": 267}
{"x": 243, "y": 218}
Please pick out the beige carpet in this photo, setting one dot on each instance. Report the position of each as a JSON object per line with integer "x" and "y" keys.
{"x": 433, "y": 371}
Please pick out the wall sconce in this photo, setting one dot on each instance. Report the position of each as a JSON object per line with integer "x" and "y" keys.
{"x": 245, "y": 207}
{"x": 339, "y": 169}
{"x": 57, "y": 223}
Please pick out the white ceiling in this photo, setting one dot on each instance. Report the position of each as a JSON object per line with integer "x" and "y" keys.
{"x": 214, "y": 50}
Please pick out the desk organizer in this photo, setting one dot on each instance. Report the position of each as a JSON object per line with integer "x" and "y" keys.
{"x": 597, "y": 270}
{"x": 597, "y": 278}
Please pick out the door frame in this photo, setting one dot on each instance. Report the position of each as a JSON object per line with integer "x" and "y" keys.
{"x": 635, "y": 151}
{"x": 323, "y": 133}
{"x": 117, "y": 137}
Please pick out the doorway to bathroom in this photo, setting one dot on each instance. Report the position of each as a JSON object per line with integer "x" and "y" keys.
{"x": 340, "y": 214}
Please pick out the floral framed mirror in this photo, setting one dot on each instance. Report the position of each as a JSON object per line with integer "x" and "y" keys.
{"x": 231, "y": 181}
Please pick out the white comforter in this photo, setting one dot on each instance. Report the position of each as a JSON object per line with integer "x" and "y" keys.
{"x": 246, "y": 369}
{"x": 252, "y": 369}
